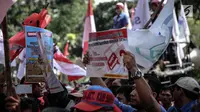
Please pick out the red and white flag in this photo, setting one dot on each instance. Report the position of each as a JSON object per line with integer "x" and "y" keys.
{"x": 5, "y": 5}
{"x": 89, "y": 27}
{"x": 67, "y": 67}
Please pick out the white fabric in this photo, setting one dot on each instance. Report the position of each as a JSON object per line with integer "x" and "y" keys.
{"x": 142, "y": 14}
{"x": 149, "y": 44}
{"x": 126, "y": 11}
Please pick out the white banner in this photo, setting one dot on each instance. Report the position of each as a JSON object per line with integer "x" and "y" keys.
{"x": 105, "y": 52}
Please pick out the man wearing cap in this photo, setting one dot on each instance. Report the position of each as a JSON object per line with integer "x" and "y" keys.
{"x": 185, "y": 93}
{"x": 97, "y": 99}
{"x": 121, "y": 19}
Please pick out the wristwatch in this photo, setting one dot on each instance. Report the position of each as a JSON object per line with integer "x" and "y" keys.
{"x": 135, "y": 75}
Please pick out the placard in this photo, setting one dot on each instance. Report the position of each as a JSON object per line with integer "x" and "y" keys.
{"x": 34, "y": 62}
{"x": 106, "y": 51}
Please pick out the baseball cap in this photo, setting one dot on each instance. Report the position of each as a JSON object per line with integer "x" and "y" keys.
{"x": 120, "y": 5}
{"x": 95, "y": 98}
{"x": 189, "y": 84}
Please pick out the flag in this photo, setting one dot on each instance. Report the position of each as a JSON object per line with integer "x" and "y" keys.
{"x": 89, "y": 27}
{"x": 52, "y": 82}
{"x": 17, "y": 42}
{"x": 176, "y": 35}
{"x": 2, "y": 55}
{"x": 66, "y": 52}
{"x": 67, "y": 67}
{"x": 183, "y": 26}
{"x": 149, "y": 44}
{"x": 2, "y": 60}
{"x": 132, "y": 14}
{"x": 126, "y": 11}
{"x": 142, "y": 14}
{"x": 22, "y": 64}
{"x": 5, "y": 5}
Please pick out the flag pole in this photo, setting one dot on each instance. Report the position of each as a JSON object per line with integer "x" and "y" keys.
{"x": 154, "y": 14}
{"x": 7, "y": 57}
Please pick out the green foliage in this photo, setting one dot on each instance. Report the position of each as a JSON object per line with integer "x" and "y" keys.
{"x": 67, "y": 18}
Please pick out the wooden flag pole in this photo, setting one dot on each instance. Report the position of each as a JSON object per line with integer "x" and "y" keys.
{"x": 7, "y": 57}
{"x": 154, "y": 14}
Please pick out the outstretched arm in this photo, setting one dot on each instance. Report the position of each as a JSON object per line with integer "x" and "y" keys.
{"x": 142, "y": 86}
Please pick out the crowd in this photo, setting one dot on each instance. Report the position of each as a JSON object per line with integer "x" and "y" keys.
{"x": 140, "y": 93}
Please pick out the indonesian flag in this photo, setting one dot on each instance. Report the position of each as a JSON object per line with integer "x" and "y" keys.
{"x": 67, "y": 67}
{"x": 142, "y": 14}
{"x": 5, "y": 5}
{"x": 66, "y": 52}
{"x": 17, "y": 42}
{"x": 89, "y": 27}
{"x": 126, "y": 11}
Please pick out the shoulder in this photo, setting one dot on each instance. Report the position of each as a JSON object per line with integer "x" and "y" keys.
{"x": 162, "y": 109}
{"x": 124, "y": 107}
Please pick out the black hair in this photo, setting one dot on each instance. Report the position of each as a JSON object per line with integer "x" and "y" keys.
{"x": 126, "y": 90}
{"x": 29, "y": 103}
{"x": 165, "y": 88}
{"x": 154, "y": 83}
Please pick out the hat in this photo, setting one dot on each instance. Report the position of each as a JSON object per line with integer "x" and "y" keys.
{"x": 95, "y": 98}
{"x": 120, "y": 5}
{"x": 189, "y": 84}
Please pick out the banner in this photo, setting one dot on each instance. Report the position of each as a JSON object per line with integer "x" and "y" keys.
{"x": 149, "y": 44}
{"x": 106, "y": 54}
{"x": 34, "y": 61}
{"x": 53, "y": 84}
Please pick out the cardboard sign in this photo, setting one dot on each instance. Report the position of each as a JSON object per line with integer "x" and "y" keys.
{"x": 105, "y": 51}
{"x": 24, "y": 89}
{"x": 34, "y": 63}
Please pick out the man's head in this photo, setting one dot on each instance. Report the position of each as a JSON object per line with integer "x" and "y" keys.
{"x": 97, "y": 98}
{"x": 154, "y": 4}
{"x": 155, "y": 86}
{"x": 165, "y": 96}
{"x": 123, "y": 94}
{"x": 185, "y": 88}
{"x": 119, "y": 7}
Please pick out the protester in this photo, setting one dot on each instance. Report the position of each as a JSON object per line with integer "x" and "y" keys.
{"x": 123, "y": 94}
{"x": 143, "y": 95}
{"x": 97, "y": 99}
{"x": 121, "y": 19}
{"x": 166, "y": 97}
{"x": 185, "y": 93}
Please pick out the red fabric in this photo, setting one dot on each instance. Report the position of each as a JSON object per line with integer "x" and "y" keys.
{"x": 17, "y": 42}
{"x": 60, "y": 57}
{"x": 66, "y": 52}
{"x": 72, "y": 78}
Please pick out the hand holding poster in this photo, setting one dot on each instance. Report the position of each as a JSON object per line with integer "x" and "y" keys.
{"x": 106, "y": 54}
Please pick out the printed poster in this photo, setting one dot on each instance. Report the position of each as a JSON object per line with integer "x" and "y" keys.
{"x": 34, "y": 62}
{"x": 106, "y": 51}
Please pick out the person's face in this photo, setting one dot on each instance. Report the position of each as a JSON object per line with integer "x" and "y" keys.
{"x": 118, "y": 10}
{"x": 166, "y": 97}
{"x": 177, "y": 96}
{"x": 134, "y": 98}
{"x": 122, "y": 98}
{"x": 153, "y": 7}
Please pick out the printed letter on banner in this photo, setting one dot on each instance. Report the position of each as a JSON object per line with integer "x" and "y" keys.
{"x": 106, "y": 54}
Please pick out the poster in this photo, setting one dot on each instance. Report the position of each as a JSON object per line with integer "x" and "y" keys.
{"x": 106, "y": 54}
{"x": 34, "y": 63}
